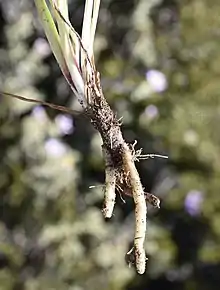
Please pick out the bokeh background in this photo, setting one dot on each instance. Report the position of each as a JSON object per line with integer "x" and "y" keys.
{"x": 160, "y": 67}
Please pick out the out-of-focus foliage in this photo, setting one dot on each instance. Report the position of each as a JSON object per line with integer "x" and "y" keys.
{"x": 160, "y": 67}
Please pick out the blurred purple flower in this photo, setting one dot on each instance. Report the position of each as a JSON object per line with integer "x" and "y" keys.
{"x": 55, "y": 147}
{"x": 65, "y": 124}
{"x": 39, "y": 113}
{"x": 42, "y": 47}
{"x": 193, "y": 202}
{"x": 157, "y": 80}
{"x": 151, "y": 111}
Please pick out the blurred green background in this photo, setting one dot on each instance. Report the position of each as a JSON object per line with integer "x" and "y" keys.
{"x": 160, "y": 69}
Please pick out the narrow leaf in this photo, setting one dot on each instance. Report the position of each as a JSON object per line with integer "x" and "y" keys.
{"x": 30, "y": 100}
{"x": 93, "y": 26}
{"x": 68, "y": 47}
{"x": 56, "y": 46}
{"x": 51, "y": 33}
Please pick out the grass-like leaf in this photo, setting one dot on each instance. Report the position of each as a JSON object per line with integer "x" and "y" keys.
{"x": 51, "y": 33}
